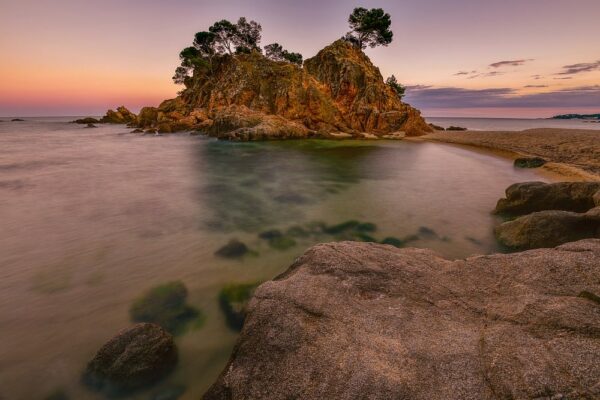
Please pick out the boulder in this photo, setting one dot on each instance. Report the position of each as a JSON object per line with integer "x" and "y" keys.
{"x": 233, "y": 249}
{"x": 121, "y": 116}
{"x": 134, "y": 358}
{"x": 456, "y": 128}
{"x": 233, "y": 300}
{"x": 85, "y": 121}
{"x": 524, "y": 198}
{"x": 548, "y": 229}
{"x": 17, "y": 120}
{"x": 147, "y": 117}
{"x": 91, "y": 126}
{"x": 437, "y": 127}
{"x": 360, "y": 320}
{"x": 529, "y": 162}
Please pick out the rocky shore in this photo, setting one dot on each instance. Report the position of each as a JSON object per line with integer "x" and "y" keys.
{"x": 574, "y": 153}
{"x": 360, "y": 320}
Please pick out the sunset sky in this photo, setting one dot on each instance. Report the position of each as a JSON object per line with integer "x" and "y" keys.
{"x": 510, "y": 58}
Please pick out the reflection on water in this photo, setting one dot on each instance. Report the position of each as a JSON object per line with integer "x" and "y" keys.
{"x": 94, "y": 220}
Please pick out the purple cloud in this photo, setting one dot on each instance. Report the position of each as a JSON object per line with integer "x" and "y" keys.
{"x": 536, "y": 86}
{"x": 510, "y": 63}
{"x": 579, "y": 68}
{"x": 453, "y": 97}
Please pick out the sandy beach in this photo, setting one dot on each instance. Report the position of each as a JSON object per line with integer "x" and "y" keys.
{"x": 572, "y": 153}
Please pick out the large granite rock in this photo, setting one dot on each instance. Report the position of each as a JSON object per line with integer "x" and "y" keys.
{"x": 250, "y": 97}
{"x": 528, "y": 197}
{"x": 365, "y": 321}
{"x": 549, "y": 229}
{"x": 134, "y": 358}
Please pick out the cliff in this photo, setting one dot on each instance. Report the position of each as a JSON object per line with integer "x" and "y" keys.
{"x": 358, "y": 320}
{"x": 250, "y": 97}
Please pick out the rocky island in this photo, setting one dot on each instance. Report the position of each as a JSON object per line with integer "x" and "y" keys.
{"x": 233, "y": 91}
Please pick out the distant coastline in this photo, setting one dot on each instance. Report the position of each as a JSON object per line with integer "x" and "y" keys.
{"x": 591, "y": 117}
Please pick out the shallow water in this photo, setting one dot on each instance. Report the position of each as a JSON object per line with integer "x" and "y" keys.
{"x": 91, "y": 218}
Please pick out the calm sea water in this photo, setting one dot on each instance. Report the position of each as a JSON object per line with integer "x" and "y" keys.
{"x": 512, "y": 124}
{"x": 91, "y": 218}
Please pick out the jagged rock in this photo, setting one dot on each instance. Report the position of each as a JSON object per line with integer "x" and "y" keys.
{"x": 249, "y": 97}
{"x": 357, "y": 320}
{"x": 85, "y": 121}
{"x": 137, "y": 130}
{"x": 121, "y": 116}
{"x": 527, "y": 197}
{"x": 134, "y": 358}
{"x": 437, "y": 127}
{"x": 456, "y": 128}
{"x": 529, "y": 162}
{"x": 549, "y": 229}
{"x": 91, "y": 126}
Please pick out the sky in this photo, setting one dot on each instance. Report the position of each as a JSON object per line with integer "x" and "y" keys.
{"x": 459, "y": 58}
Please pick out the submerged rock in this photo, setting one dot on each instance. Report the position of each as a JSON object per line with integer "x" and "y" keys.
{"x": 17, "y": 120}
{"x": 91, "y": 126}
{"x": 134, "y": 358}
{"x": 527, "y": 197}
{"x": 355, "y": 320}
{"x": 166, "y": 306}
{"x": 529, "y": 162}
{"x": 233, "y": 300}
{"x": 233, "y": 249}
{"x": 456, "y": 128}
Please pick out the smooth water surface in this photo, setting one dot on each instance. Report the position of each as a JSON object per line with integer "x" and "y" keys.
{"x": 92, "y": 218}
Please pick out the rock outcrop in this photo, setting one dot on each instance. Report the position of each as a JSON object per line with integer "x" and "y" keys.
{"x": 250, "y": 97}
{"x": 550, "y": 214}
{"x": 356, "y": 320}
{"x": 528, "y": 197}
{"x": 134, "y": 358}
{"x": 121, "y": 116}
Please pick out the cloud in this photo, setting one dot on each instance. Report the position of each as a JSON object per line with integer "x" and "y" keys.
{"x": 510, "y": 63}
{"x": 453, "y": 97}
{"x": 486, "y": 74}
{"x": 536, "y": 86}
{"x": 568, "y": 77}
{"x": 579, "y": 68}
{"x": 536, "y": 77}
{"x": 462, "y": 73}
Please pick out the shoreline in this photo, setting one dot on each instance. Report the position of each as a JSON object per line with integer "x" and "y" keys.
{"x": 572, "y": 154}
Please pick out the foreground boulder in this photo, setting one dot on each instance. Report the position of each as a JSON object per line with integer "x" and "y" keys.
{"x": 528, "y": 197}
{"x": 136, "y": 357}
{"x": 357, "y": 320}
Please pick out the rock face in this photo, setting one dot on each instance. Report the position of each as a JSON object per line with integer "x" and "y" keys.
{"x": 528, "y": 197}
{"x": 249, "y": 97}
{"x": 356, "y": 320}
{"x": 560, "y": 213}
{"x": 134, "y": 358}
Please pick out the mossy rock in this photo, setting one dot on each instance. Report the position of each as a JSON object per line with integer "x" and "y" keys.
{"x": 166, "y": 306}
{"x": 233, "y": 249}
{"x": 529, "y": 162}
{"x": 340, "y": 228}
{"x": 366, "y": 227}
{"x": 363, "y": 237}
{"x": 233, "y": 300}
{"x": 270, "y": 234}
{"x": 393, "y": 241}
{"x": 282, "y": 243}
{"x": 58, "y": 394}
{"x": 297, "y": 231}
